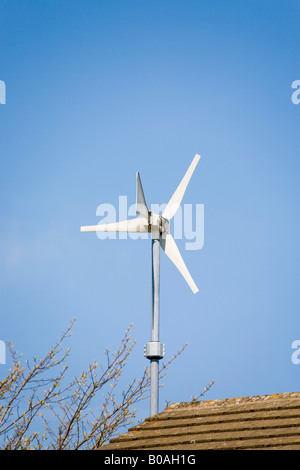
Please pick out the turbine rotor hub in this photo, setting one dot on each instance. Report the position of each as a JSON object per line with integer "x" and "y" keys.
{"x": 165, "y": 225}
{"x": 158, "y": 223}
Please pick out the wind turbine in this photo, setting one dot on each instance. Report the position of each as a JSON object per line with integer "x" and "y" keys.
{"x": 158, "y": 226}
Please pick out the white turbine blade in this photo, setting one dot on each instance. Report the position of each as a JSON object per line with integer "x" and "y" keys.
{"x": 170, "y": 248}
{"x": 141, "y": 206}
{"x": 176, "y": 199}
{"x": 134, "y": 225}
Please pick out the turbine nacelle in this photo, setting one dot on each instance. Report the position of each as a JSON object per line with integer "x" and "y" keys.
{"x": 158, "y": 223}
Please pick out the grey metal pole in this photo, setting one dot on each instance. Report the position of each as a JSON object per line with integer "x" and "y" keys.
{"x": 155, "y": 290}
{"x": 154, "y": 386}
{"x": 154, "y": 350}
{"x": 154, "y": 364}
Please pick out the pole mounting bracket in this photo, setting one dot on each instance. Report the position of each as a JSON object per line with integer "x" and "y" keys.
{"x": 154, "y": 350}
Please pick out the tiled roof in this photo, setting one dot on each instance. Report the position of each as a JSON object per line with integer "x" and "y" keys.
{"x": 259, "y": 422}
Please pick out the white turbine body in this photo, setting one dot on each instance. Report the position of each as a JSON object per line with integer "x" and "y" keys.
{"x": 158, "y": 226}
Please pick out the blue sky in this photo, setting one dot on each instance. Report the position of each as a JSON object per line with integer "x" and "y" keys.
{"x": 98, "y": 90}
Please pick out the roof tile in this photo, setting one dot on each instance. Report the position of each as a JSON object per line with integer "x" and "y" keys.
{"x": 259, "y": 422}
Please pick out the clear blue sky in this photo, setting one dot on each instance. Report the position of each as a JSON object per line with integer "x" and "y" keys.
{"x": 98, "y": 90}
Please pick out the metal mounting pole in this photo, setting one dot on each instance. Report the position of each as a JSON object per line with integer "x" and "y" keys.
{"x": 154, "y": 350}
{"x": 155, "y": 290}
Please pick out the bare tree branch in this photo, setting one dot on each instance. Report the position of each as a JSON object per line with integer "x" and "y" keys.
{"x": 38, "y": 411}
